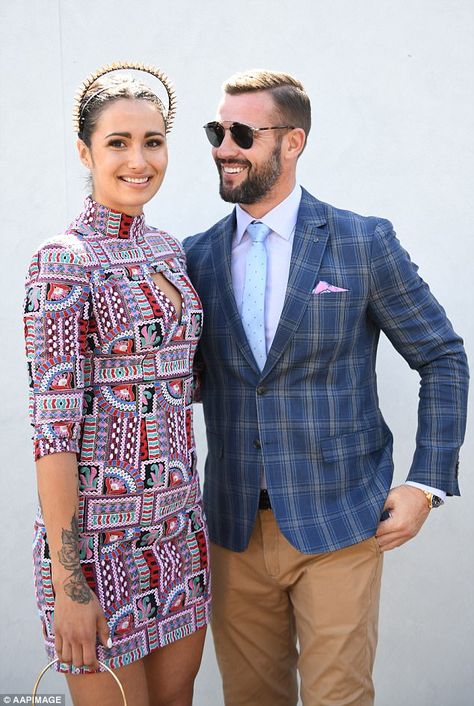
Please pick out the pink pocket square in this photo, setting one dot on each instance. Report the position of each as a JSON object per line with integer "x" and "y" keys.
{"x": 326, "y": 288}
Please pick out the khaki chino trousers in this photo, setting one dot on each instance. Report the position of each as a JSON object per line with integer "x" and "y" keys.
{"x": 277, "y": 611}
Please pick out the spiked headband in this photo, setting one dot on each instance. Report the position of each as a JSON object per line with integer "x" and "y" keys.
{"x": 118, "y": 66}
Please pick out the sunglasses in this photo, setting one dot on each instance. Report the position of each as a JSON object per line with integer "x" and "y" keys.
{"x": 243, "y": 135}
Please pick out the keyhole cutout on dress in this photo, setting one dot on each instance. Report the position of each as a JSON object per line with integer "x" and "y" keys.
{"x": 170, "y": 290}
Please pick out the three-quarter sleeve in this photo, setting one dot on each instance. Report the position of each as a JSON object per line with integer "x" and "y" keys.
{"x": 55, "y": 323}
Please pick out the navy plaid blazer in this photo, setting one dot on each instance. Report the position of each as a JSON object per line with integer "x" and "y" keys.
{"x": 311, "y": 418}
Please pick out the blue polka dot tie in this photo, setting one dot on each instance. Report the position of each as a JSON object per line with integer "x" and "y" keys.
{"x": 253, "y": 305}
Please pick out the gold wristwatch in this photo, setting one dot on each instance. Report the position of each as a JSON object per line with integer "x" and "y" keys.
{"x": 433, "y": 500}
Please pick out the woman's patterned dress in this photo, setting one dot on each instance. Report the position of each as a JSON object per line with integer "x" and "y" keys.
{"x": 110, "y": 369}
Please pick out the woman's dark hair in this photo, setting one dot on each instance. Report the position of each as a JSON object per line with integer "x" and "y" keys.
{"x": 107, "y": 90}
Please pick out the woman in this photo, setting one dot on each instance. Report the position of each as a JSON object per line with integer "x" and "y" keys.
{"x": 111, "y": 325}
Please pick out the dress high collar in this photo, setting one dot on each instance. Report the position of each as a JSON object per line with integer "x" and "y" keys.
{"x": 112, "y": 223}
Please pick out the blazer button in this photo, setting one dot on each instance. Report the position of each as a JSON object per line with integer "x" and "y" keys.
{"x": 257, "y": 444}
{"x": 261, "y": 389}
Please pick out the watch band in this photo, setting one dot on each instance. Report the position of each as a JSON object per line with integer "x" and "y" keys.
{"x": 433, "y": 500}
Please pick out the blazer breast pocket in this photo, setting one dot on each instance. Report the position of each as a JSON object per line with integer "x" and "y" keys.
{"x": 332, "y": 315}
{"x": 333, "y": 319}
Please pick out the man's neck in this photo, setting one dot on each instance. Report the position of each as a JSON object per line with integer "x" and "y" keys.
{"x": 268, "y": 203}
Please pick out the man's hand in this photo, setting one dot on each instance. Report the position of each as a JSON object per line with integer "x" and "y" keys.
{"x": 408, "y": 510}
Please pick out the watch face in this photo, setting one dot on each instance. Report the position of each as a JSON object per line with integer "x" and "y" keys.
{"x": 436, "y": 501}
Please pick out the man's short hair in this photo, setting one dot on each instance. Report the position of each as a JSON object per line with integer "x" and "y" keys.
{"x": 291, "y": 100}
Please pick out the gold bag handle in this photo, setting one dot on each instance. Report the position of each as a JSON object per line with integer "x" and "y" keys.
{"x": 110, "y": 671}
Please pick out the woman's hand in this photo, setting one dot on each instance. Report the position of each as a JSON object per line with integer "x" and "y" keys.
{"x": 78, "y": 619}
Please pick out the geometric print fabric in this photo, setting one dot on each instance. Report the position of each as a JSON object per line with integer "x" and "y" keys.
{"x": 110, "y": 372}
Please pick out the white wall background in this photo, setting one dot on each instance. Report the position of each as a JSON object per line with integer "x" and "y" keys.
{"x": 391, "y": 87}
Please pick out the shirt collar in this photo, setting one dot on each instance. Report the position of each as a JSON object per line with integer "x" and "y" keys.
{"x": 281, "y": 219}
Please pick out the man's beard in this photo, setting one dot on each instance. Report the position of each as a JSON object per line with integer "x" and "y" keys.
{"x": 258, "y": 183}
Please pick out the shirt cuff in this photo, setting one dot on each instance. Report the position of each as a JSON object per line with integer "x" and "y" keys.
{"x": 436, "y": 491}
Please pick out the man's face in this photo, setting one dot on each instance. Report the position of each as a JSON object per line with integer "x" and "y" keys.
{"x": 249, "y": 176}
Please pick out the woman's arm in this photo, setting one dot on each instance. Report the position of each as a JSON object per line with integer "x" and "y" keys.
{"x": 78, "y": 616}
{"x": 56, "y": 317}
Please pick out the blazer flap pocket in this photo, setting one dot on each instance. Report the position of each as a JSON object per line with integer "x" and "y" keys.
{"x": 358, "y": 443}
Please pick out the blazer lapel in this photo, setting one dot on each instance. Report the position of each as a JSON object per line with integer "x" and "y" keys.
{"x": 309, "y": 244}
{"x": 221, "y": 257}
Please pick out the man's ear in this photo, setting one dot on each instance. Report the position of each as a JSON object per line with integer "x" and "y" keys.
{"x": 296, "y": 139}
{"x": 84, "y": 153}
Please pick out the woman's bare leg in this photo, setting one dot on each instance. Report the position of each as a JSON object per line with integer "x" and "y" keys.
{"x": 165, "y": 677}
{"x": 171, "y": 671}
{"x": 100, "y": 687}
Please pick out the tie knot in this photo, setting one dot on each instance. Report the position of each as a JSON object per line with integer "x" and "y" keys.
{"x": 258, "y": 231}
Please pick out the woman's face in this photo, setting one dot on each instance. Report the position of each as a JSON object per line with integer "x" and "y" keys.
{"x": 128, "y": 155}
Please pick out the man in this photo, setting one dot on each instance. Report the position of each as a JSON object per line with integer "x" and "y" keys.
{"x": 298, "y": 474}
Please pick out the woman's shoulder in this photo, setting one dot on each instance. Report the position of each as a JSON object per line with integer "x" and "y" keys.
{"x": 62, "y": 256}
{"x": 69, "y": 244}
{"x": 163, "y": 241}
